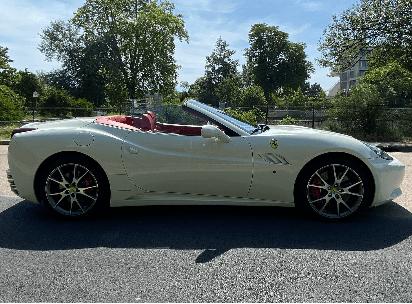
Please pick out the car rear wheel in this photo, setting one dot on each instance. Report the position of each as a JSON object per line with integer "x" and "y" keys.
{"x": 74, "y": 188}
{"x": 333, "y": 189}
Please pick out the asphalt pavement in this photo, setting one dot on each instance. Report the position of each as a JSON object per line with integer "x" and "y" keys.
{"x": 205, "y": 254}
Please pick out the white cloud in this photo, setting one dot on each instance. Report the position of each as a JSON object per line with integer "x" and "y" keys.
{"x": 311, "y": 5}
{"x": 210, "y": 6}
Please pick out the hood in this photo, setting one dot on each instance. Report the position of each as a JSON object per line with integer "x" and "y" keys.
{"x": 295, "y": 130}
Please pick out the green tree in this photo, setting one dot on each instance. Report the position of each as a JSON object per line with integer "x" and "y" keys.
{"x": 7, "y": 73}
{"x": 385, "y": 25}
{"x": 253, "y": 96}
{"x": 228, "y": 90}
{"x": 219, "y": 66}
{"x": 60, "y": 101}
{"x": 393, "y": 84}
{"x": 11, "y": 104}
{"x": 295, "y": 98}
{"x": 26, "y": 84}
{"x": 137, "y": 39}
{"x": 366, "y": 112}
{"x": 274, "y": 62}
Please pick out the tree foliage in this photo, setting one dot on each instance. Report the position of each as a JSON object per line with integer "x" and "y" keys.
{"x": 6, "y": 71}
{"x": 220, "y": 64}
{"x": 26, "y": 84}
{"x": 274, "y": 62}
{"x": 253, "y": 96}
{"x": 11, "y": 104}
{"x": 220, "y": 70}
{"x": 393, "y": 84}
{"x": 122, "y": 45}
{"x": 385, "y": 25}
{"x": 228, "y": 90}
{"x": 366, "y": 111}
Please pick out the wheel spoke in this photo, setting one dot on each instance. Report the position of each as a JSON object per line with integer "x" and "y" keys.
{"x": 318, "y": 186}
{"x": 344, "y": 174}
{"x": 56, "y": 181}
{"x": 77, "y": 180}
{"x": 58, "y": 193}
{"x": 334, "y": 174}
{"x": 323, "y": 181}
{"x": 87, "y": 188}
{"x": 341, "y": 201}
{"x": 63, "y": 177}
{"x": 63, "y": 197}
{"x": 78, "y": 204}
{"x": 89, "y": 196}
{"x": 353, "y": 185}
{"x": 351, "y": 193}
{"x": 324, "y": 206}
{"x": 319, "y": 199}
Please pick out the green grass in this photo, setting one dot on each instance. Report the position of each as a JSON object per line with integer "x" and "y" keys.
{"x": 5, "y": 131}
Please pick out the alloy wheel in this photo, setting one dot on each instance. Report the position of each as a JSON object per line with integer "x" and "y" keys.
{"x": 71, "y": 189}
{"x": 335, "y": 191}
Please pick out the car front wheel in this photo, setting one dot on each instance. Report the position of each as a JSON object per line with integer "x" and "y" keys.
{"x": 333, "y": 189}
{"x": 73, "y": 187}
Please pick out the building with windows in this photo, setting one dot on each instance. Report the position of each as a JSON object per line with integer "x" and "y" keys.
{"x": 348, "y": 78}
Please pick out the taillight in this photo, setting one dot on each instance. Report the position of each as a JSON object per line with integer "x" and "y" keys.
{"x": 21, "y": 130}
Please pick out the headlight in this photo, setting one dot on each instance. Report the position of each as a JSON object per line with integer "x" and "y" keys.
{"x": 378, "y": 151}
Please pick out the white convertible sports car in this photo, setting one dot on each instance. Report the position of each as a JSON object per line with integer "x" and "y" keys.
{"x": 76, "y": 167}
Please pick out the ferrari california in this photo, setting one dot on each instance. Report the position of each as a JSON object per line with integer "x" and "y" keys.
{"x": 78, "y": 167}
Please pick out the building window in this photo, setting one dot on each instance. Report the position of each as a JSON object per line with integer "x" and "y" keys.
{"x": 361, "y": 73}
{"x": 363, "y": 64}
{"x": 352, "y": 74}
{"x": 343, "y": 85}
{"x": 344, "y": 76}
{"x": 352, "y": 83}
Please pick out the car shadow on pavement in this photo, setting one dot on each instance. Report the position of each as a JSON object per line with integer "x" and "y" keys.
{"x": 214, "y": 229}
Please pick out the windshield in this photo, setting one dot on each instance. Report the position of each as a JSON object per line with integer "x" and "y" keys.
{"x": 221, "y": 114}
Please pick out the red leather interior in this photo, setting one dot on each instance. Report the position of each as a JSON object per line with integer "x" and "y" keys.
{"x": 148, "y": 123}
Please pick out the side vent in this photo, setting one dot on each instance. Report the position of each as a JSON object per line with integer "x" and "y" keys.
{"x": 274, "y": 159}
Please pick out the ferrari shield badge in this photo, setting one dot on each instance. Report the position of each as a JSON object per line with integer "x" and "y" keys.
{"x": 274, "y": 143}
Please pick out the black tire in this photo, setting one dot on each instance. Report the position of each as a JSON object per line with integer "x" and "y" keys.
{"x": 332, "y": 189}
{"x": 74, "y": 188}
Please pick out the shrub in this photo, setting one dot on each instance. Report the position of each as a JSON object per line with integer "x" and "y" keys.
{"x": 289, "y": 121}
{"x": 11, "y": 105}
{"x": 251, "y": 116}
{"x": 253, "y": 96}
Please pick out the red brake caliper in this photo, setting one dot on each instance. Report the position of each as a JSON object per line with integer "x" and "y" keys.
{"x": 88, "y": 181}
{"x": 316, "y": 191}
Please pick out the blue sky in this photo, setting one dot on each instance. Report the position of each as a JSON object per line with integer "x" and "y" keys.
{"x": 21, "y": 21}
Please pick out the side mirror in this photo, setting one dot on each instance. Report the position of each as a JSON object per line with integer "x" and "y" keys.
{"x": 210, "y": 131}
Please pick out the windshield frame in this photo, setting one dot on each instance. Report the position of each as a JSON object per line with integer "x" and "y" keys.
{"x": 220, "y": 117}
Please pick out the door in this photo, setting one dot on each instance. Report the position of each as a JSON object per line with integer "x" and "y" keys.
{"x": 164, "y": 162}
